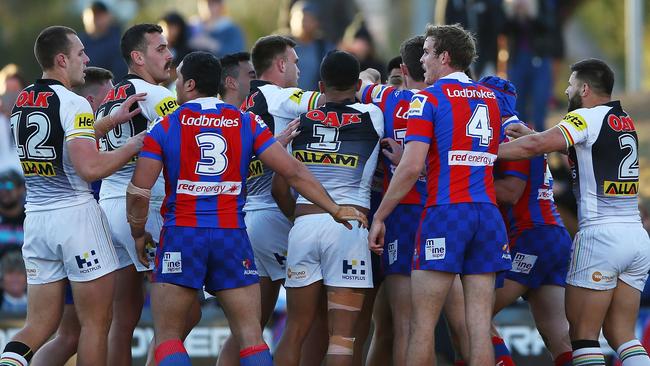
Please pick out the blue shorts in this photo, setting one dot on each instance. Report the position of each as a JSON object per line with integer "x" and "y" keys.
{"x": 465, "y": 238}
{"x": 399, "y": 241}
{"x": 220, "y": 259}
{"x": 540, "y": 256}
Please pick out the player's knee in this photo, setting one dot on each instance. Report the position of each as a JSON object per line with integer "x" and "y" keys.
{"x": 617, "y": 335}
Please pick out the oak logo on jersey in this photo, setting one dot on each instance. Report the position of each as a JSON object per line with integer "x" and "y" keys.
{"x": 31, "y": 99}
{"x": 297, "y": 96}
{"x": 332, "y": 118}
{"x": 354, "y": 269}
{"x": 416, "y": 108}
{"x": 576, "y": 120}
{"x": 255, "y": 169}
{"x": 88, "y": 262}
{"x": 42, "y": 168}
{"x": 84, "y": 121}
{"x": 622, "y": 123}
{"x": 118, "y": 93}
{"x": 611, "y": 188}
{"x": 320, "y": 158}
{"x": 166, "y": 106}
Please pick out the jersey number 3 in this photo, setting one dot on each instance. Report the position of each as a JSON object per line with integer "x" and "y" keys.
{"x": 213, "y": 154}
{"x": 479, "y": 125}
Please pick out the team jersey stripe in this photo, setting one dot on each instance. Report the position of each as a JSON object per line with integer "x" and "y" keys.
{"x": 85, "y": 135}
{"x": 567, "y": 136}
{"x": 313, "y": 100}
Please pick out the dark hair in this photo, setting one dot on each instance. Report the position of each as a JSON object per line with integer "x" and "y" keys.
{"x": 411, "y": 51}
{"x": 134, "y": 39}
{"x": 393, "y": 63}
{"x": 339, "y": 70}
{"x": 94, "y": 77}
{"x": 176, "y": 19}
{"x": 596, "y": 73}
{"x": 204, "y": 68}
{"x": 98, "y": 7}
{"x": 459, "y": 43}
{"x": 50, "y": 42}
{"x": 266, "y": 49}
{"x": 230, "y": 66}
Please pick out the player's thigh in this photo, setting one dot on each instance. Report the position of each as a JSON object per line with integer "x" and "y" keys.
{"x": 428, "y": 293}
{"x": 170, "y": 305}
{"x": 45, "y": 304}
{"x": 508, "y": 294}
{"x": 269, "y": 291}
{"x": 241, "y": 306}
{"x": 621, "y": 318}
{"x": 586, "y": 324}
{"x": 93, "y": 300}
{"x": 547, "y": 307}
{"x": 268, "y": 231}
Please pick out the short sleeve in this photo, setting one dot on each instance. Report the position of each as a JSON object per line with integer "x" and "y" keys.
{"x": 293, "y": 101}
{"x": 517, "y": 168}
{"x": 376, "y": 94}
{"x": 262, "y": 136}
{"x": 79, "y": 121}
{"x": 420, "y": 121}
{"x": 153, "y": 142}
{"x": 159, "y": 103}
{"x": 574, "y": 128}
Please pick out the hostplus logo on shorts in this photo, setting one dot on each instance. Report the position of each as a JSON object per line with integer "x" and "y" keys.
{"x": 88, "y": 262}
{"x": 354, "y": 270}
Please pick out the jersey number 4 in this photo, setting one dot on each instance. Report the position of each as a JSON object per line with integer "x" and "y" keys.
{"x": 479, "y": 125}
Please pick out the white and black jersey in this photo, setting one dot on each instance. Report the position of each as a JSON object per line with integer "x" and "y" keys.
{"x": 339, "y": 143}
{"x": 47, "y": 115}
{"x": 603, "y": 152}
{"x": 159, "y": 102}
{"x": 277, "y": 106}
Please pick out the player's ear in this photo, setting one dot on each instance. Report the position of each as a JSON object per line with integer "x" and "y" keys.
{"x": 231, "y": 83}
{"x": 189, "y": 85}
{"x": 404, "y": 69}
{"x": 60, "y": 60}
{"x": 358, "y": 85}
{"x": 321, "y": 86}
{"x": 281, "y": 63}
{"x": 137, "y": 57}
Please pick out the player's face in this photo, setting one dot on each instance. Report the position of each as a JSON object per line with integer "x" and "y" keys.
{"x": 395, "y": 78}
{"x": 246, "y": 74}
{"x": 158, "y": 57}
{"x": 76, "y": 61}
{"x": 573, "y": 92}
{"x": 291, "y": 71}
{"x": 430, "y": 61}
{"x": 100, "y": 94}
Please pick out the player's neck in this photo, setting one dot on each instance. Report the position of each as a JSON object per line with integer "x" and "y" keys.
{"x": 143, "y": 74}
{"x": 412, "y": 84}
{"x": 595, "y": 100}
{"x": 337, "y": 96}
{"x": 273, "y": 78}
{"x": 232, "y": 99}
{"x": 58, "y": 76}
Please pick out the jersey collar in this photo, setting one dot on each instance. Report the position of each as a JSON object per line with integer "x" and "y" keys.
{"x": 49, "y": 82}
{"x": 459, "y": 76}
{"x": 132, "y": 76}
{"x": 257, "y": 83}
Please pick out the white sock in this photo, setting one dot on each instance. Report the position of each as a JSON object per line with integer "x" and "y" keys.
{"x": 588, "y": 356}
{"x": 632, "y": 353}
{"x": 12, "y": 359}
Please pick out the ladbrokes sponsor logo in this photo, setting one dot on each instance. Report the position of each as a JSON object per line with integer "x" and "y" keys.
{"x": 206, "y": 121}
{"x": 470, "y": 158}
{"x": 255, "y": 169}
{"x": 172, "y": 262}
{"x": 354, "y": 270}
{"x": 319, "y": 158}
{"x": 208, "y": 188}
{"x": 470, "y": 93}
{"x": 249, "y": 269}
{"x": 88, "y": 262}
{"x": 297, "y": 273}
{"x": 620, "y": 188}
{"x": 603, "y": 276}
{"x": 41, "y": 168}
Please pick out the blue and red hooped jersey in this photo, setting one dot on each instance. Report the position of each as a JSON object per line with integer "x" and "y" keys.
{"x": 394, "y": 103}
{"x": 206, "y": 146}
{"x": 461, "y": 122}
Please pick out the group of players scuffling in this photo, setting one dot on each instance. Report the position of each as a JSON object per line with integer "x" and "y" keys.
{"x": 238, "y": 201}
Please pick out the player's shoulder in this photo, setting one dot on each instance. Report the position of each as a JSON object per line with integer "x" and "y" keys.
{"x": 371, "y": 109}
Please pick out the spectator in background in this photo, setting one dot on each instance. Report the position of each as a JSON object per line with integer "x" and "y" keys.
{"x": 11, "y": 80}
{"x": 177, "y": 32}
{"x": 395, "y": 76}
{"x": 362, "y": 46}
{"x": 530, "y": 25}
{"x": 215, "y": 32}
{"x": 12, "y": 209}
{"x": 101, "y": 39}
{"x": 311, "y": 48}
{"x": 14, "y": 282}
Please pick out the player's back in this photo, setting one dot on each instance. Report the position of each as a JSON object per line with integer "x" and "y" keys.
{"x": 158, "y": 102}
{"x": 460, "y": 119}
{"x": 47, "y": 115}
{"x": 339, "y": 143}
{"x": 206, "y": 146}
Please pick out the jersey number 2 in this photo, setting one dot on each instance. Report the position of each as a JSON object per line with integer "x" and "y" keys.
{"x": 213, "y": 158}
{"x": 479, "y": 125}
{"x": 34, "y": 148}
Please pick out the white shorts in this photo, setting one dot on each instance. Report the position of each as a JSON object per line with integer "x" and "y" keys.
{"x": 115, "y": 210}
{"x": 603, "y": 254}
{"x": 321, "y": 248}
{"x": 72, "y": 242}
{"x": 268, "y": 232}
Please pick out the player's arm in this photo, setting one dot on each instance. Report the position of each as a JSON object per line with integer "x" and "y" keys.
{"x": 529, "y": 146}
{"x": 509, "y": 189}
{"x": 300, "y": 178}
{"x": 368, "y": 77}
{"x": 91, "y": 164}
{"x": 121, "y": 115}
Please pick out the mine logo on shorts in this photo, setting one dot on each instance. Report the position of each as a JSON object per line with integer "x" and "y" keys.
{"x": 392, "y": 252}
{"x": 88, "y": 262}
{"x": 354, "y": 270}
{"x": 280, "y": 258}
{"x": 172, "y": 262}
{"x": 247, "y": 263}
{"x": 297, "y": 273}
{"x": 603, "y": 276}
{"x": 523, "y": 263}
{"x": 435, "y": 249}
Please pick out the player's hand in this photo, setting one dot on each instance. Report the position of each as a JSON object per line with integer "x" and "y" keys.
{"x": 141, "y": 244}
{"x": 392, "y": 150}
{"x": 376, "y": 236}
{"x": 123, "y": 113}
{"x": 349, "y": 213}
{"x": 136, "y": 141}
{"x": 516, "y": 130}
{"x": 370, "y": 75}
{"x": 290, "y": 132}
